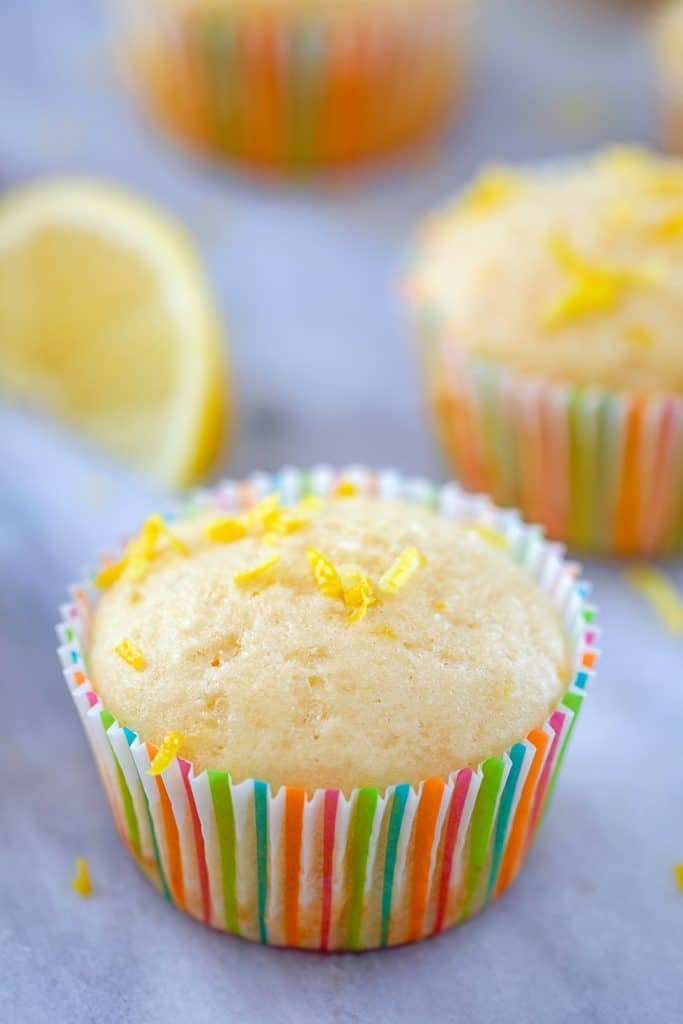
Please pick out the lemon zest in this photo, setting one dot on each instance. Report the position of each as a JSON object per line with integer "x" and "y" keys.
{"x": 488, "y": 534}
{"x": 345, "y": 489}
{"x": 324, "y": 573}
{"x": 669, "y": 228}
{"x": 310, "y": 502}
{"x": 357, "y": 591}
{"x": 260, "y": 569}
{"x": 140, "y": 552}
{"x": 388, "y": 631}
{"x": 81, "y": 882}
{"x": 260, "y": 514}
{"x": 166, "y": 754}
{"x": 596, "y": 288}
{"x": 131, "y": 654}
{"x": 401, "y": 570}
{"x": 640, "y": 335}
{"x": 226, "y": 529}
{"x": 660, "y": 593}
{"x": 493, "y": 188}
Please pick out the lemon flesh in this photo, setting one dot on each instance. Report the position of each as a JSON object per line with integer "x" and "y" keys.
{"x": 107, "y": 323}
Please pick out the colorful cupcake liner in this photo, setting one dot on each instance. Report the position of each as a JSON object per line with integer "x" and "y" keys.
{"x": 296, "y": 87}
{"x": 600, "y": 471}
{"x": 324, "y": 870}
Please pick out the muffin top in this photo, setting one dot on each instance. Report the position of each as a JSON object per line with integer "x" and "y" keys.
{"x": 348, "y": 642}
{"x": 573, "y": 276}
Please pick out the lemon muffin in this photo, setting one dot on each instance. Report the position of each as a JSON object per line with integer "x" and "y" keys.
{"x": 551, "y": 304}
{"x": 296, "y": 84}
{"x": 342, "y": 716}
{"x": 668, "y": 49}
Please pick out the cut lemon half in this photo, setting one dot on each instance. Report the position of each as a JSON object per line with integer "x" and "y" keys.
{"x": 107, "y": 322}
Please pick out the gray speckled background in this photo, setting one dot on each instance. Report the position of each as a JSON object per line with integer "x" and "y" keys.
{"x": 593, "y": 930}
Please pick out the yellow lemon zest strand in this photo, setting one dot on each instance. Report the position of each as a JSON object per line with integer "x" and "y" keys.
{"x": 678, "y": 875}
{"x": 488, "y": 534}
{"x": 280, "y": 522}
{"x": 140, "y": 552}
{"x": 131, "y": 654}
{"x": 324, "y": 573}
{"x": 403, "y": 568}
{"x": 260, "y": 569}
{"x": 258, "y": 515}
{"x": 596, "y": 288}
{"x": 226, "y": 530}
{"x": 388, "y": 631}
{"x": 82, "y": 883}
{"x": 669, "y": 229}
{"x": 493, "y": 188}
{"x": 661, "y": 594}
{"x": 345, "y": 489}
{"x": 166, "y": 754}
{"x": 358, "y": 591}
{"x": 639, "y": 335}
{"x": 109, "y": 574}
{"x": 310, "y": 502}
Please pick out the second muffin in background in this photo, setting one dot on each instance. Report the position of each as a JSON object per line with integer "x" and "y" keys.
{"x": 550, "y": 311}
{"x": 296, "y": 85}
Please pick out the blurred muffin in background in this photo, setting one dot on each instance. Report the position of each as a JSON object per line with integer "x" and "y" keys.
{"x": 294, "y": 85}
{"x": 668, "y": 44}
{"x": 550, "y": 309}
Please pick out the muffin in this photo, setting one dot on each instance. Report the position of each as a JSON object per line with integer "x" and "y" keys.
{"x": 549, "y": 306}
{"x": 330, "y": 716}
{"x": 668, "y": 52}
{"x": 294, "y": 85}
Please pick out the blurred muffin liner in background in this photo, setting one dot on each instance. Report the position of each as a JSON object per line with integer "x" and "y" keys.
{"x": 667, "y": 40}
{"x": 326, "y": 870}
{"x": 292, "y": 85}
{"x": 601, "y": 471}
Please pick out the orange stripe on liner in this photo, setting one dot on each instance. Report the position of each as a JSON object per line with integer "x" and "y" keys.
{"x": 425, "y": 825}
{"x": 515, "y": 844}
{"x": 294, "y": 816}
{"x": 175, "y": 863}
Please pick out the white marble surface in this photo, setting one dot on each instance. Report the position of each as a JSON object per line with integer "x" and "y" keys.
{"x": 593, "y": 930}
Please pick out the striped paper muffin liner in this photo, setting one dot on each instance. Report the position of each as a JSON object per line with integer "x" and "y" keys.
{"x": 326, "y": 870}
{"x": 295, "y": 87}
{"x": 602, "y": 472}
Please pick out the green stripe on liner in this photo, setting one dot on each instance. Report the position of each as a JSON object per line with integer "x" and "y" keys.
{"x": 364, "y": 815}
{"x": 305, "y": 483}
{"x": 398, "y": 807}
{"x": 517, "y": 754}
{"x": 219, "y": 784}
{"x": 128, "y": 807}
{"x": 261, "y": 816}
{"x": 155, "y": 846}
{"x": 573, "y": 701}
{"x": 482, "y": 826}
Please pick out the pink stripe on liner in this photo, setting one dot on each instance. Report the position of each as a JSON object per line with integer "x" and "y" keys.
{"x": 460, "y": 790}
{"x": 199, "y": 842}
{"x": 91, "y": 698}
{"x": 556, "y": 723}
{"x": 589, "y": 638}
{"x": 329, "y": 827}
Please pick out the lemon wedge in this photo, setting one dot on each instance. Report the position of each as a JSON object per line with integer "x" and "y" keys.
{"x": 106, "y": 321}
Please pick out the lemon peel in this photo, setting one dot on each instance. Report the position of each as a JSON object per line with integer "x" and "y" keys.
{"x": 226, "y": 529}
{"x": 254, "y": 571}
{"x": 131, "y": 654}
{"x": 166, "y": 754}
{"x": 140, "y": 553}
{"x": 324, "y": 573}
{"x": 401, "y": 570}
{"x": 596, "y": 288}
{"x": 358, "y": 591}
{"x": 81, "y": 882}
